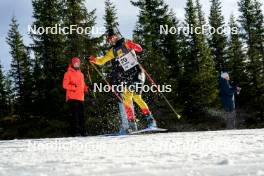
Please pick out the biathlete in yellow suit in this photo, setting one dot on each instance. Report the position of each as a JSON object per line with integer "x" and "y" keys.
{"x": 131, "y": 76}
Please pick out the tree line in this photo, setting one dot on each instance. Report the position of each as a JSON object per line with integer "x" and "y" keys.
{"x": 191, "y": 63}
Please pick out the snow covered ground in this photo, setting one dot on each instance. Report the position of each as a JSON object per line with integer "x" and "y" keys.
{"x": 237, "y": 153}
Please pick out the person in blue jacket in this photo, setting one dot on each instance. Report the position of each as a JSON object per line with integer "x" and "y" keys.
{"x": 227, "y": 94}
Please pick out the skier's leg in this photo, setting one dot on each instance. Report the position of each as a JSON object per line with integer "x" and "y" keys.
{"x": 145, "y": 110}
{"x": 133, "y": 124}
{"x": 127, "y": 96}
{"x": 129, "y": 108}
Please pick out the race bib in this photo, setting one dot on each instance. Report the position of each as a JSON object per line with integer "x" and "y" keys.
{"x": 128, "y": 61}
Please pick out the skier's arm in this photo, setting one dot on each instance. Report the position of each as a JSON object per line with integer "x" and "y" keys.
{"x": 102, "y": 60}
{"x": 130, "y": 44}
{"x": 66, "y": 83}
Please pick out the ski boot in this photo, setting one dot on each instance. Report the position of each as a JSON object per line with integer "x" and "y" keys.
{"x": 132, "y": 126}
{"x": 151, "y": 121}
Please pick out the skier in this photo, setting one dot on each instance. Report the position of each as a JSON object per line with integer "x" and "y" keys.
{"x": 128, "y": 72}
{"x": 228, "y": 99}
{"x": 73, "y": 83}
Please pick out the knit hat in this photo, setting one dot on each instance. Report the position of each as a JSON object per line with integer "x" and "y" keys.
{"x": 224, "y": 75}
{"x": 74, "y": 60}
{"x": 111, "y": 32}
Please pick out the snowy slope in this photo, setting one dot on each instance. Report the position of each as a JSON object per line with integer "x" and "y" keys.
{"x": 239, "y": 152}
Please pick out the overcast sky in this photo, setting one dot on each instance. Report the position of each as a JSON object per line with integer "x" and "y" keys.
{"x": 127, "y": 14}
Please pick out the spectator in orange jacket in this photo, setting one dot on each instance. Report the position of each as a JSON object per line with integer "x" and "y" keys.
{"x": 73, "y": 83}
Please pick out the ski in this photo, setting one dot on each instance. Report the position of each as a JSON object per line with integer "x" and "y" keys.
{"x": 148, "y": 131}
{"x": 143, "y": 131}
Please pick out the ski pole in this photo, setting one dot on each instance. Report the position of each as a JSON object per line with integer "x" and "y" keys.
{"x": 164, "y": 97}
{"x": 103, "y": 77}
{"x": 95, "y": 98}
{"x": 90, "y": 79}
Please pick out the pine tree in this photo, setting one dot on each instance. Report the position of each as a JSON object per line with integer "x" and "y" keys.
{"x": 3, "y": 94}
{"x": 260, "y": 46}
{"x": 236, "y": 61}
{"x": 200, "y": 13}
{"x": 236, "y": 55}
{"x": 9, "y": 94}
{"x": 199, "y": 78}
{"x": 162, "y": 52}
{"x": 80, "y": 45}
{"x": 250, "y": 19}
{"x": 110, "y": 17}
{"x": 20, "y": 70}
{"x": 83, "y": 45}
{"x": 111, "y": 22}
{"x": 49, "y": 62}
{"x": 98, "y": 47}
{"x": 75, "y": 13}
{"x": 259, "y": 27}
{"x": 153, "y": 15}
{"x": 217, "y": 40}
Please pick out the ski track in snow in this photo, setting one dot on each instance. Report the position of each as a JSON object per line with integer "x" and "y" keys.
{"x": 216, "y": 153}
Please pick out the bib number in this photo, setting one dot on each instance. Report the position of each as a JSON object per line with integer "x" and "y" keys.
{"x": 128, "y": 61}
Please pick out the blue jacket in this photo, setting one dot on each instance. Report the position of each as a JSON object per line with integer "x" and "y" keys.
{"x": 227, "y": 95}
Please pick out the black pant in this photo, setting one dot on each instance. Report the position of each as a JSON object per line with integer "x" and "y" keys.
{"x": 77, "y": 122}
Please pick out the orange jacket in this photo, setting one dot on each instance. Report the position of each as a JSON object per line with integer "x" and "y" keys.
{"x": 73, "y": 83}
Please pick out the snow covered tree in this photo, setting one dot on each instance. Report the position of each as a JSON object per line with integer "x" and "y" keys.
{"x": 217, "y": 40}
{"x": 20, "y": 70}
